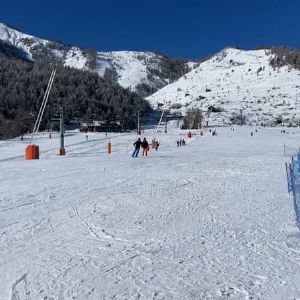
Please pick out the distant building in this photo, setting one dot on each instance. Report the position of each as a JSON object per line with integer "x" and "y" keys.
{"x": 72, "y": 125}
{"x": 100, "y": 126}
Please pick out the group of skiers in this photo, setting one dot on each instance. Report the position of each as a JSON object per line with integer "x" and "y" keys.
{"x": 181, "y": 143}
{"x": 138, "y": 144}
{"x": 213, "y": 132}
{"x": 252, "y": 133}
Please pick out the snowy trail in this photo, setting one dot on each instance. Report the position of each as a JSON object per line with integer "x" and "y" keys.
{"x": 15, "y": 149}
{"x": 211, "y": 220}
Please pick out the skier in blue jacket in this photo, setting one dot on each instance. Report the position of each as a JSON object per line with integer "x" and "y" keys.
{"x": 137, "y": 145}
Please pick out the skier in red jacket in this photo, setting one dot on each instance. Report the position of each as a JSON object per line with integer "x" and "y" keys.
{"x": 145, "y": 146}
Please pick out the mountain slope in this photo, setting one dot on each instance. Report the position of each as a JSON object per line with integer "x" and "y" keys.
{"x": 235, "y": 80}
{"x": 129, "y": 68}
{"x": 84, "y": 95}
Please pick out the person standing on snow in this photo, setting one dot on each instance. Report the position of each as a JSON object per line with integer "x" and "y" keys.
{"x": 145, "y": 146}
{"x": 137, "y": 145}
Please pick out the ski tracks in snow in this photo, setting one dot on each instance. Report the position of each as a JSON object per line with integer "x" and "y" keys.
{"x": 206, "y": 221}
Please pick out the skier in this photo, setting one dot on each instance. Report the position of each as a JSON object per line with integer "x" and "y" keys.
{"x": 86, "y": 137}
{"x": 137, "y": 145}
{"x": 183, "y": 142}
{"x": 145, "y": 147}
{"x": 156, "y": 145}
{"x": 177, "y": 143}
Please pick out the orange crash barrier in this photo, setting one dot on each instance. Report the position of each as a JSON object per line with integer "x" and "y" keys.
{"x": 32, "y": 152}
{"x": 189, "y": 135}
{"x": 62, "y": 151}
{"x": 109, "y": 148}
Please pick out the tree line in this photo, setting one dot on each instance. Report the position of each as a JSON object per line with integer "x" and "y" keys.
{"x": 84, "y": 95}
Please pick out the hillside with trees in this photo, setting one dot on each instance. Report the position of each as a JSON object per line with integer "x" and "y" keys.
{"x": 143, "y": 72}
{"x": 84, "y": 95}
{"x": 285, "y": 56}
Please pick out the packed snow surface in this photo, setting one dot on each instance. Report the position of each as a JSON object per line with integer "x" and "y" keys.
{"x": 211, "y": 220}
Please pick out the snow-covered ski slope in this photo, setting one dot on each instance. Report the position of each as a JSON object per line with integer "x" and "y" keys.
{"x": 211, "y": 220}
{"x": 235, "y": 80}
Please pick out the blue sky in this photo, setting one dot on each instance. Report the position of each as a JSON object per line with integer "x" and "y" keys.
{"x": 189, "y": 29}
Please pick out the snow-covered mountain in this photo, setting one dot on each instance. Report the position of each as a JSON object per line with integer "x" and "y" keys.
{"x": 233, "y": 81}
{"x": 130, "y": 69}
{"x": 230, "y": 82}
